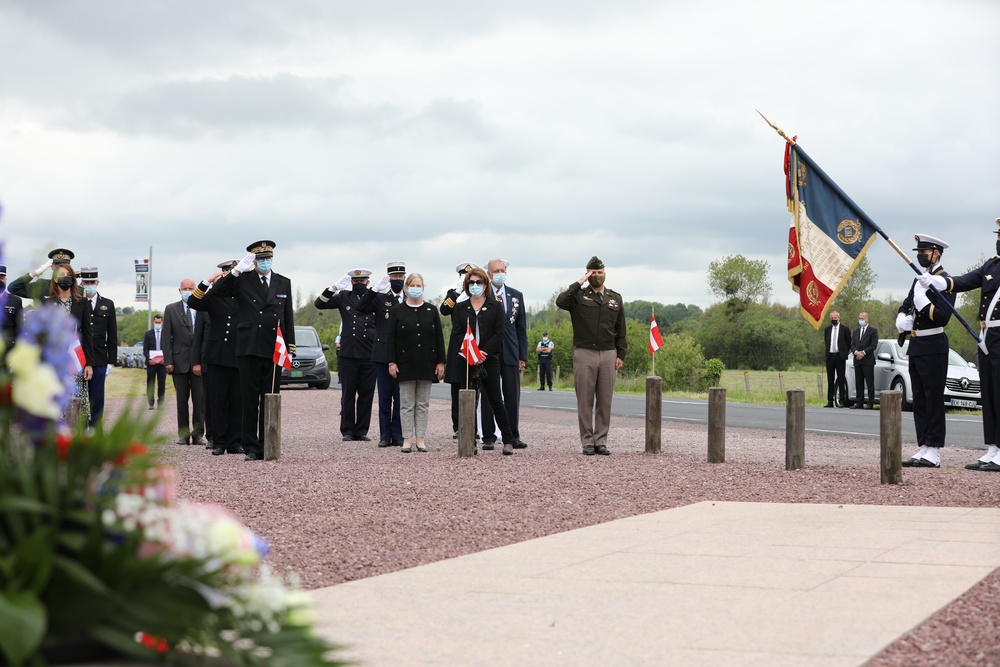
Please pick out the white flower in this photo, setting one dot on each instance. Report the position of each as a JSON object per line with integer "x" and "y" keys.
{"x": 36, "y": 385}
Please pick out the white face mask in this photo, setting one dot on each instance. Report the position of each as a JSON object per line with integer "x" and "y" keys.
{"x": 862, "y": 323}
{"x": 499, "y": 279}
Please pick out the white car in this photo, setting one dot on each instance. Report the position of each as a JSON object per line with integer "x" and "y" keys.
{"x": 892, "y": 372}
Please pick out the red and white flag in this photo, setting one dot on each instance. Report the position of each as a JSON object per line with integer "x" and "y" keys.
{"x": 281, "y": 356}
{"x": 77, "y": 359}
{"x": 655, "y": 340}
{"x": 470, "y": 349}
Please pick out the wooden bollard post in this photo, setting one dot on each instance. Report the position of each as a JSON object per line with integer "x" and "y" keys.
{"x": 781, "y": 382}
{"x": 795, "y": 429}
{"x": 654, "y": 413}
{"x": 466, "y": 422}
{"x": 746, "y": 381}
{"x": 819, "y": 384}
{"x": 890, "y": 436}
{"x": 557, "y": 374}
{"x": 717, "y": 425}
{"x": 73, "y": 411}
{"x": 272, "y": 427}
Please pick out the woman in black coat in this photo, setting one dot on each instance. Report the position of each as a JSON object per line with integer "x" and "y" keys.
{"x": 485, "y": 315}
{"x": 415, "y": 352}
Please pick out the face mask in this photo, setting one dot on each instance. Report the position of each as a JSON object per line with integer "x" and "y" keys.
{"x": 499, "y": 279}
{"x": 264, "y": 266}
{"x": 157, "y": 327}
{"x": 359, "y": 288}
{"x": 998, "y": 246}
{"x": 835, "y": 322}
{"x": 185, "y": 296}
{"x": 396, "y": 284}
{"x": 91, "y": 290}
{"x": 3, "y": 285}
{"x": 924, "y": 260}
{"x": 414, "y": 292}
{"x": 475, "y": 290}
{"x": 862, "y": 323}
{"x": 596, "y": 281}
{"x": 65, "y": 282}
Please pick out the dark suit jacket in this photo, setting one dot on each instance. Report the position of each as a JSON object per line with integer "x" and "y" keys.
{"x": 260, "y": 312}
{"x": 379, "y": 304}
{"x": 357, "y": 335}
{"x": 177, "y": 338}
{"x": 199, "y": 346}
{"x": 490, "y": 322}
{"x": 843, "y": 340}
{"x": 13, "y": 318}
{"x": 104, "y": 326}
{"x": 515, "y": 330}
{"x": 865, "y": 344}
{"x": 222, "y": 314}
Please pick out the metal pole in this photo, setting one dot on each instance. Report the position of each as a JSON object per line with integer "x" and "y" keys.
{"x": 149, "y": 292}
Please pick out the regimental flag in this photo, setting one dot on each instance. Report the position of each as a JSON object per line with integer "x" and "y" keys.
{"x": 827, "y": 238}
{"x": 655, "y": 341}
{"x": 281, "y": 356}
{"x": 470, "y": 349}
{"x": 77, "y": 359}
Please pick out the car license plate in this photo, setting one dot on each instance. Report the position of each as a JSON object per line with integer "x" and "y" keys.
{"x": 296, "y": 374}
{"x": 960, "y": 403}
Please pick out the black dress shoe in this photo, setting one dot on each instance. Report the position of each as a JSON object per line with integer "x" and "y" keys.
{"x": 488, "y": 446}
{"x": 347, "y": 437}
{"x": 508, "y": 449}
{"x": 218, "y": 451}
{"x": 602, "y": 450}
{"x": 991, "y": 467}
{"x": 520, "y": 444}
{"x": 396, "y": 443}
{"x": 198, "y": 440}
{"x": 857, "y": 406}
{"x": 909, "y": 463}
{"x": 235, "y": 450}
{"x": 924, "y": 463}
{"x": 975, "y": 465}
{"x": 828, "y": 405}
{"x": 253, "y": 456}
{"x": 588, "y": 450}
{"x": 385, "y": 443}
{"x": 183, "y": 441}
{"x": 362, "y": 438}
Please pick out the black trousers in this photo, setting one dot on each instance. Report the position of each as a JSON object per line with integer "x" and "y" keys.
{"x": 156, "y": 374}
{"x": 989, "y": 385}
{"x": 510, "y": 386}
{"x": 928, "y": 373}
{"x": 494, "y": 396}
{"x": 225, "y": 406}
{"x": 544, "y": 372}
{"x": 95, "y": 388}
{"x": 258, "y": 377}
{"x": 864, "y": 374}
{"x": 836, "y": 381}
{"x": 188, "y": 387}
{"x": 357, "y": 389}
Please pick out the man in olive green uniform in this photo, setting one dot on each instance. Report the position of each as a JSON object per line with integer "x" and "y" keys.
{"x": 598, "y": 315}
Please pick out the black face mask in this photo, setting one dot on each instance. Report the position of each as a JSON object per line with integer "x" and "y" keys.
{"x": 834, "y": 322}
{"x": 396, "y": 285}
{"x": 998, "y": 246}
{"x": 3, "y": 285}
{"x": 924, "y": 260}
{"x": 359, "y": 288}
{"x": 65, "y": 283}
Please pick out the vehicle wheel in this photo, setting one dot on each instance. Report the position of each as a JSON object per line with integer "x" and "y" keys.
{"x": 897, "y": 385}
{"x": 322, "y": 384}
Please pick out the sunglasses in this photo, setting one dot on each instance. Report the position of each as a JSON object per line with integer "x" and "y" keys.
{"x": 476, "y": 282}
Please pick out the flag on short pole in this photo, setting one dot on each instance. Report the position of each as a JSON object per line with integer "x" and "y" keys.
{"x": 655, "y": 340}
{"x": 77, "y": 359}
{"x": 281, "y": 356}
{"x": 827, "y": 238}
{"x": 470, "y": 349}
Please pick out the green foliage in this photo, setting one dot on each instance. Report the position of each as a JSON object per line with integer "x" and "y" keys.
{"x": 856, "y": 294}
{"x": 132, "y": 326}
{"x": 680, "y": 362}
{"x": 757, "y": 340}
{"x": 712, "y": 375}
{"x": 739, "y": 280}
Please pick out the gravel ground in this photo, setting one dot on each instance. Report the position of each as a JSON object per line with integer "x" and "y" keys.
{"x": 336, "y": 511}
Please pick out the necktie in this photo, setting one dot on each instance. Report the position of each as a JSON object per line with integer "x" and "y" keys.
{"x": 263, "y": 281}
{"x": 833, "y": 340}
{"x": 190, "y": 319}
{"x": 158, "y": 340}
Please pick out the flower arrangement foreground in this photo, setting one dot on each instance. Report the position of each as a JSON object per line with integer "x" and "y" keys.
{"x": 96, "y": 551}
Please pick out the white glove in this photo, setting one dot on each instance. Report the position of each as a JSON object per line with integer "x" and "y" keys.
{"x": 926, "y": 280}
{"x": 904, "y": 322}
{"x": 461, "y": 284}
{"x": 920, "y": 300}
{"x": 246, "y": 264}
{"x": 382, "y": 285}
{"x": 343, "y": 283}
{"x": 42, "y": 269}
{"x": 108, "y": 373}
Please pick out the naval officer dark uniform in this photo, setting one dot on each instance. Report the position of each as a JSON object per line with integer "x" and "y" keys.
{"x": 104, "y": 330}
{"x": 224, "y": 404}
{"x": 264, "y": 301}
{"x": 378, "y": 304}
{"x": 928, "y": 353}
{"x": 13, "y": 311}
{"x": 357, "y": 371}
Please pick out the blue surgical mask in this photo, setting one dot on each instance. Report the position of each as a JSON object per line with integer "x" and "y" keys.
{"x": 862, "y": 323}
{"x": 91, "y": 290}
{"x": 264, "y": 266}
{"x": 499, "y": 279}
{"x": 475, "y": 290}
{"x": 157, "y": 327}
{"x": 414, "y": 292}
{"x": 185, "y": 296}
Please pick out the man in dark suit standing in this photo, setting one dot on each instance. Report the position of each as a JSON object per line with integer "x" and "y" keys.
{"x": 863, "y": 343}
{"x": 220, "y": 370}
{"x": 13, "y": 315}
{"x": 264, "y": 301}
{"x": 104, "y": 329}
{"x": 378, "y": 301}
{"x": 152, "y": 355}
{"x": 178, "y": 341}
{"x": 838, "y": 345}
{"x": 357, "y": 370}
{"x": 514, "y": 354}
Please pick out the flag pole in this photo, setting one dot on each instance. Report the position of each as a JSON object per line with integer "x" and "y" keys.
{"x": 652, "y": 354}
{"x": 864, "y": 216}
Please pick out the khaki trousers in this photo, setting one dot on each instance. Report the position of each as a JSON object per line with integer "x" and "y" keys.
{"x": 594, "y": 379}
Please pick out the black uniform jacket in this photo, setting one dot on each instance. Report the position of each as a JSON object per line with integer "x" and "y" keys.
{"x": 223, "y": 315}
{"x": 986, "y": 278}
{"x": 933, "y": 315}
{"x": 357, "y": 335}
{"x": 104, "y": 328}
{"x": 261, "y": 312}
{"x": 13, "y": 318}
{"x": 378, "y": 305}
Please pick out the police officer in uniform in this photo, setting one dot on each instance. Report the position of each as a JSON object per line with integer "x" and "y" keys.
{"x": 378, "y": 301}
{"x": 544, "y": 350}
{"x": 104, "y": 329}
{"x": 987, "y": 279}
{"x": 223, "y": 404}
{"x": 357, "y": 371}
{"x": 599, "y": 346}
{"x": 264, "y": 301}
{"x": 13, "y": 311}
{"x": 928, "y": 350}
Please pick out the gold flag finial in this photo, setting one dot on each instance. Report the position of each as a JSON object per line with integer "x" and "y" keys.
{"x": 776, "y": 128}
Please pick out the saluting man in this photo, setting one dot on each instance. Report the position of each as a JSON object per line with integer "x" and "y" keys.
{"x": 378, "y": 301}
{"x": 928, "y": 350}
{"x": 987, "y": 279}
{"x": 357, "y": 371}
{"x": 104, "y": 329}
{"x": 264, "y": 299}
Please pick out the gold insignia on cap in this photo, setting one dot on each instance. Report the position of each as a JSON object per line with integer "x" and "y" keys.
{"x": 61, "y": 256}
{"x": 357, "y": 272}
{"x": 916, "y": 237}
{"x": 263, "y": 247}
{"x": 468, "y": 267}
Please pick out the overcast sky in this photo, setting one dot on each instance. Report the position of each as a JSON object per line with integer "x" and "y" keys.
{"x": 438, "y": 132}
